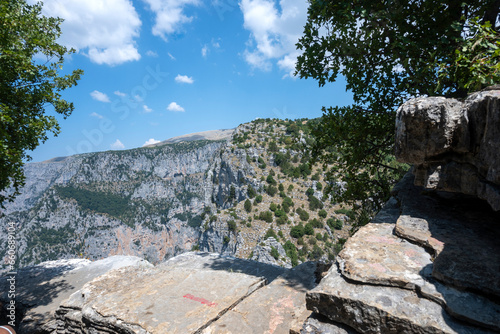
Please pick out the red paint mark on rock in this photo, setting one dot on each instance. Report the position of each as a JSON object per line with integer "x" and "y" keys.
{"x": 201, "y": 300}
{"x": 278, "y": 311}
{"x": 411, "y": 253}
{"x": 378, "y": 267}
{"x": 381, "y": 240}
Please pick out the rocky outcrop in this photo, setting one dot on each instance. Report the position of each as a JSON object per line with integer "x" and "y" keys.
{"x": 264, "y": 253}
{"x": 454, "y": 145}
{"x": 40, "y": 289}
{"x": 428, "y": 263}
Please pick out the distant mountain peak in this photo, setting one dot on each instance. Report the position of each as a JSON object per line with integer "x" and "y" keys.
{"x": 224, "y": 134}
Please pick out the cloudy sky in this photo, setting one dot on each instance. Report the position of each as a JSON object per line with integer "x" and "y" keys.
{"x": 155, "y": 69}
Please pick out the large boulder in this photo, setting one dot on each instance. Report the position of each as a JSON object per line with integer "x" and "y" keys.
{"x": 453, "y": 144}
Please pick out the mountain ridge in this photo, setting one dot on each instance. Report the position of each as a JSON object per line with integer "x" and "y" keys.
{"x": 227, "y": 196}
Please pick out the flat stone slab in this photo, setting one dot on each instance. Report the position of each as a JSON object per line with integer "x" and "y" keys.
{"x": 380, "y": 309}
{"x": 183, "y": 295}
{"x": 317, "y": 324}
{"x": 462, "y": 233}
{"x": 276, "y": 308}
{"x": 375, "y": 256}
{"x": 41, "y": 288}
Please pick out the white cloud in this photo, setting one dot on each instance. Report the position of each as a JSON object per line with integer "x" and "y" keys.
{"x": 146, "y": 109}
{"x": 118, "y": 93}
{"x": 175, "y": 107}
{"x": 105, "y": 31}
{"x": 204, "y": 51}
{"x": 99, "y": 96}
{"x": 273, "y": 33}
{"x": 170, "y": 55}
{"x": 151, "y": 53}
{"x": 184, "y": 79}
{"x": 117, "y": 145}
{"x": 96, "y": 115}
{"x": 151, "y": 141}
{"x": 169, "y": 15}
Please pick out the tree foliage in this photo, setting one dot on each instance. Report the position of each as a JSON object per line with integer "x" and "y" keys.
{"x": 30, "y": 79}
{"x": 388, "y": 51}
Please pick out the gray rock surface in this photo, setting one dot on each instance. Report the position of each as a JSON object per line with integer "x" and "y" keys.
{"x": 317, "y": 324}
{"x": 40, "y": 289}
{"x": 275, "y": 308}
{"x": 262, "y": 253}
{"x": 427, "y": 264}
{"x": 379, "y": 309}
{"x": 461, "y": 233}
{"x": 375, "y": 256}
{"x": 453, "y": 145}
{"x": 191, "y": 293}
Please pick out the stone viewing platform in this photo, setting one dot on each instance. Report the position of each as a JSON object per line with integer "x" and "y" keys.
{"x": 190, "y": 293}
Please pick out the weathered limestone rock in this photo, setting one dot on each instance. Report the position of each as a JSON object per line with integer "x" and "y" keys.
{"x": 442, "y": 249}
{"x": 273, "y": 309}
{"x": 374, "y": 255}
{"x": 454, "y": 145}
{"x": 262, "y": 253}
{"x": 41, "y": 288}
{"x": 318, "y": 324}
{"x": 461, "y": 233}
{"x": 429, "y": 261}
{"x": 378, "y": 309}
{"x": 191, "y": 293}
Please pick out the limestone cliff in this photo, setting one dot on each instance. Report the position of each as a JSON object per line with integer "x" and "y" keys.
{"x": 184, "y": 194}
{"x": 144, "y": 202}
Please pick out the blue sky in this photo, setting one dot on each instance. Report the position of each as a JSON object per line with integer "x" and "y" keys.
{"x": 155, "y": 69}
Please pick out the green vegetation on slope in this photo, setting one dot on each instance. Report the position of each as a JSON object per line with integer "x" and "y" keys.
{"x": 102, "y": 202}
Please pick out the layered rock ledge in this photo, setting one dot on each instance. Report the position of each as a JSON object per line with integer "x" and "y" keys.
{"x": 427, "y": 263}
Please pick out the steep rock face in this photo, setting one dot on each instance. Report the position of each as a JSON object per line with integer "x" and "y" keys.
{"x": 426, "y": 264}
{"x": 454, "y": 145}
{"x": 149, "y": 202}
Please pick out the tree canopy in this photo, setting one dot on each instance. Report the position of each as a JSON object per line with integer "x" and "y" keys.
{"x": 31, "y": 63}
{"x": 389, "y": 51}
